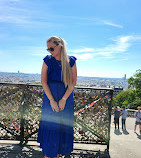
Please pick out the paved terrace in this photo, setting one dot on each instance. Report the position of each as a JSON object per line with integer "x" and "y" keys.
{"x": 123, "y": 144}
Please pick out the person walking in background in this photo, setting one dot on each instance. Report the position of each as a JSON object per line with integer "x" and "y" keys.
{"x": 58, "y": 78}
{"x": 116, "y": 117}
{"x": 138, "y": 119}
{"x": 118, "y": 108}
{"x": 124, "y": 115}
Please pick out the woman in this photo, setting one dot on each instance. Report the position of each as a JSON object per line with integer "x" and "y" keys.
{"x": 58, "y": 78}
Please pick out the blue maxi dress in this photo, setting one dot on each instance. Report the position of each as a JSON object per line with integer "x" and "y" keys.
{"x": 55, "y": 133}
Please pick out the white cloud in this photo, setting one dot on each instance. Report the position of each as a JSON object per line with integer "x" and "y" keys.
{"x": 135, "y": 38}
{"x": 119, "y": 59}
{"x": 21, "y": 13}
{"x": 39, "y": 54}
{"x": 83, "y": 56}
{"x": 120, "y": 47}
{"x": 82, "y": 50}
{"x": 105, "y": 54}
{"x": 117, "y": 50}
{"x": 89, "y": 21}
{"x": 124, "y": 39}
{"x": 9, "y": 13}
{"x": 112, "y": 24}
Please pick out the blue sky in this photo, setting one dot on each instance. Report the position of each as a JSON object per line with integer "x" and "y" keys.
{"x": 104, "y": 35}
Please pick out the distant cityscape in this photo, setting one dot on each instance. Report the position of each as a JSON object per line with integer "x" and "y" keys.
{"x": 96, "y": 82}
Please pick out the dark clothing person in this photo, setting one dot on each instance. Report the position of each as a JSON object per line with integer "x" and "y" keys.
{"x": 116, "y": 117}
{"x": 123, "y": 124}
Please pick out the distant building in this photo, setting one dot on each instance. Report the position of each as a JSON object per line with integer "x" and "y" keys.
{"x": 117, "y": 90}
{"x": 18, "y": 71}
{"x": 124, "y": 77}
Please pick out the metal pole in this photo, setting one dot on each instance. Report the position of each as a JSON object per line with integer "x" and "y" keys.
{"x": 22, "y": 119}
{"x": 109, "y": 111}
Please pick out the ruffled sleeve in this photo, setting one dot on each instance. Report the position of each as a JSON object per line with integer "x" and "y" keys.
{"x": 72, "y": 60}
{"x": 47, "y": 60}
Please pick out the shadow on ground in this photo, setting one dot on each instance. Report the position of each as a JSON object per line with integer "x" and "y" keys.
{"x": 138, "y": 136}
{"x": 117, "y": 132}
{"x": 125, "y": 132}
{"x": 79, "y": 153}
{"x": 15, "y": 151}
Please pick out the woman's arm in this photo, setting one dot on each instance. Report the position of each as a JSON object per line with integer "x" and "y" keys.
{"x": 47, "y": 89}
{"x": 62, "y": 102}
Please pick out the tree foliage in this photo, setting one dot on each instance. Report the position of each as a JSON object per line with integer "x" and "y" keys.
{"x": 130, "y": 98}
{"x": 135, "y": 81}
{"x": 124, "y": 98}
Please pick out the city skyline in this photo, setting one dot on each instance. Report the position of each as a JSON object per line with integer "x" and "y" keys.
{"x": 98, "y": 82}
{"x": 104, "y": 35}
{"x": 18, "y": 72}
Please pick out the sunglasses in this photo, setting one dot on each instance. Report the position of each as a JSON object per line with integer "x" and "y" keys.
{"x": 51, "y": 49}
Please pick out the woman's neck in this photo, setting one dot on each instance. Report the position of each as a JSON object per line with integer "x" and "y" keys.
{"x": 58, "y": 57}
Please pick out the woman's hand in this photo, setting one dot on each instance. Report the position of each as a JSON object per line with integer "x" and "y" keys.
{"x": 62, "y": 104}
{"x": 54, "y": 106}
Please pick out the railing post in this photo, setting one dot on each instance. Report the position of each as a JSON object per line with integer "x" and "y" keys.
{"x": 22, "y": 118}
{"x": 109, "y": 111}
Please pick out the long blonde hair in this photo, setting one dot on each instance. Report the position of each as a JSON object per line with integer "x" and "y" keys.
{"x": 66, "y": 68}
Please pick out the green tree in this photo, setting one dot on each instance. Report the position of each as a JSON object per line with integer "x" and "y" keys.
{"x": 135, "y": 103}
{"x": 124, "y": 98}
{"x": 135, "y": 82}
{"x": 130, "y": 98}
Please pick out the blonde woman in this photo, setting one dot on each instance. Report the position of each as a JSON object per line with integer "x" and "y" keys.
{"x": 58, "y": 78}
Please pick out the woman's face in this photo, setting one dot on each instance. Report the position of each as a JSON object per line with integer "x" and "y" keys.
{"x": 57, "y": 50}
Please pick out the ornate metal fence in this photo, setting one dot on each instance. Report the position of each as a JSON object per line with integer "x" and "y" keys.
{"x": 131, "y": 112}
{"x": 20, "y": 109}
{"x": 92, "y": 115}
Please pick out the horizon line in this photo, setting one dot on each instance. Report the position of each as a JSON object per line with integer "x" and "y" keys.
{"x": 77, "y": 76}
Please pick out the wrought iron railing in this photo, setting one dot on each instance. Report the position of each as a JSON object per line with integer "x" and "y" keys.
{"x": 131, "y": 112}
{"x": 20, "y": 109}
